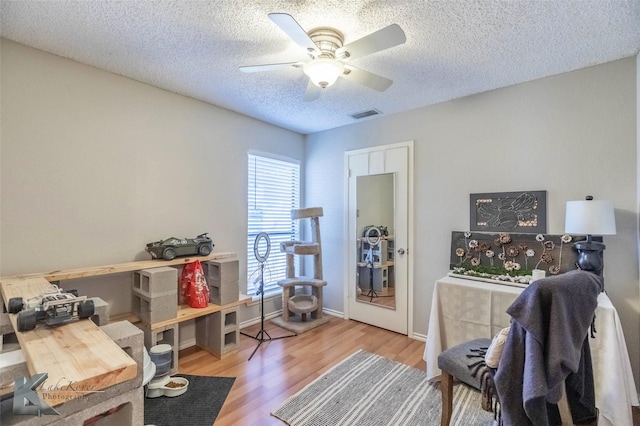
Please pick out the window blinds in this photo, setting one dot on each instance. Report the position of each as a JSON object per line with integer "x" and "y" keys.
{"x": 273, "y": 190}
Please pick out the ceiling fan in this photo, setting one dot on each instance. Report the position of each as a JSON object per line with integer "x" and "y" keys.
{"x": 330, "y": 56}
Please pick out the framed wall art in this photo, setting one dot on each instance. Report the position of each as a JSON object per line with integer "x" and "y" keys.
{"x": 523, "y": 212}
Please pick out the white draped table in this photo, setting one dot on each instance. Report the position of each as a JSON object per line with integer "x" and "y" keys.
{"x": 463, "y": 310}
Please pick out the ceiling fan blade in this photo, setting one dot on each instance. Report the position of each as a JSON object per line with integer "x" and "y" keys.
{"x": 291, "y": 27}
{"x": 312, "y": 93}
{"x": 375, "y": 42}
{"x": 271, "y": 67}
{"x": 366, "y": 78}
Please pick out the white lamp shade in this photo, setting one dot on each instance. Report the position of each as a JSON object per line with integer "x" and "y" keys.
{"x": 594, "y": 217}
{"x": 323, "y": 72}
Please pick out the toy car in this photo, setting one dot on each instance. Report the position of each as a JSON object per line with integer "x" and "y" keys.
{"x": 53, "y": 307}
{"x": 171, "y": 247}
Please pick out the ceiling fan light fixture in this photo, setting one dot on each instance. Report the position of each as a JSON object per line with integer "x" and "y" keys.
{"x": 329, "y": 55}
{"x": 323, "y": 72}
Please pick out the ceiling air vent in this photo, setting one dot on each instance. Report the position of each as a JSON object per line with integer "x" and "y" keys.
{"x": 364, "y": 114}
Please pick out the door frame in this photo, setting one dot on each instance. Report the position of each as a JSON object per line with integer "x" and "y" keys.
{"x": 409, "y": 250}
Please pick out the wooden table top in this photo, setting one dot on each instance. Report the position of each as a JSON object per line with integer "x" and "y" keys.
{"x": 78, "y": 356}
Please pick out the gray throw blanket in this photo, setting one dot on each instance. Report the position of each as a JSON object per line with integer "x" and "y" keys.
{"x": 548, "y": 343}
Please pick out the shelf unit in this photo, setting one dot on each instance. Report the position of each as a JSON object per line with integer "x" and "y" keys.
{"x": 165, "y": 331}
{"x": 97, "y": 360}
{"x": 383, "y": 265}
{"x": 138, "y": 265}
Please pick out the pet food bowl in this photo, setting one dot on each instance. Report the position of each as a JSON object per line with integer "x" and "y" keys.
{"x": 175, "y": 387}
{"x": 167, "y": 386}
{"x": 154, "y": 388}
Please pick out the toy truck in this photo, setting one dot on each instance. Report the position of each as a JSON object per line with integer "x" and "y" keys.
{"x": 54, "y": 307}
{"x": 171, "y": 247}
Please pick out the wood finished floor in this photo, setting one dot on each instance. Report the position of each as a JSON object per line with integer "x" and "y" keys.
{"x": 282, "y": 367}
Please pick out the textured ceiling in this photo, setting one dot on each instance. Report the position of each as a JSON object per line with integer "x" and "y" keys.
{"x": 453, "y": 48}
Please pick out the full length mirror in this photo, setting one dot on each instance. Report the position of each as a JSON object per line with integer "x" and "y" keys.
{"x": 375, "y": 209}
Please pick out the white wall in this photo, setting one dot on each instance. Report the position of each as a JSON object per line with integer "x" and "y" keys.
{"x": 573, "y": 134}
{"x": 94, "y": 166}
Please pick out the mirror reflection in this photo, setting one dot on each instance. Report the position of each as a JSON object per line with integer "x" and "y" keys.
{"x": 375, "y": 225}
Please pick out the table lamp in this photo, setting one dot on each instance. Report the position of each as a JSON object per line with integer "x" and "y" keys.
{"x": 590, "y": 217}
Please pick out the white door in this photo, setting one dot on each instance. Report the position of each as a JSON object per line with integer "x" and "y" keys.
{"x": 378, "y": 279}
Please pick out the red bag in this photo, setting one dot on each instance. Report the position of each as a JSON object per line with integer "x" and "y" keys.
{"x": 193, "y": 285}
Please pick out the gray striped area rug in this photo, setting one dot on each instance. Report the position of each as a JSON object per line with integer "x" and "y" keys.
{"x": 370, "y": 390}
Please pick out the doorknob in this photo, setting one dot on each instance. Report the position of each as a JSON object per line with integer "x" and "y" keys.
{"x": 400, "y": 250}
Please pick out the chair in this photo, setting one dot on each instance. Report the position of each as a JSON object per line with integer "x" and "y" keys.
{"x": 458, "y": 363}
{"x": 548, "y": 345}
{"x": 547, "y": 352}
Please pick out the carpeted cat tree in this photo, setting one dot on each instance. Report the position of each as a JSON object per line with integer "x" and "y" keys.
{"x": 302, "y": 309}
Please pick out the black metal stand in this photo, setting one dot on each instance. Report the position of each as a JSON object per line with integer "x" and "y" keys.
{"x": 260, "y": 336}
{"x": 372, "y": 237}
{"x": 372, "y": 293}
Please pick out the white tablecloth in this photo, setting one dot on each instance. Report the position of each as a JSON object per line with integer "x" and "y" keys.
{"x": 463, "y": 310}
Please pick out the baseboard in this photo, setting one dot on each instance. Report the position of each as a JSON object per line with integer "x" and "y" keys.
{"x": 333, "y": 313}
{"x": 253, "y": 321}
{"x": 187, "y": 344}
{"x": 415, "y": 336}
{"x": 419, "y": 337}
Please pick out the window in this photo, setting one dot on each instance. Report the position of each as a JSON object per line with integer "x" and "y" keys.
{"x": 273, "y": 190}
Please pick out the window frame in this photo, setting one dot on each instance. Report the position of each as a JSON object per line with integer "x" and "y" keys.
{"x": 276, "y": 259}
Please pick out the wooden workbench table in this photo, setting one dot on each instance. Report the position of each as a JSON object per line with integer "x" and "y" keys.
{"x": 79, "y": 353}
{"x": 78, "y": 357}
